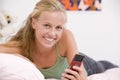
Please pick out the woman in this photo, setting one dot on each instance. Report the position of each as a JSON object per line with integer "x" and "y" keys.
{"x": 46, "y": 42}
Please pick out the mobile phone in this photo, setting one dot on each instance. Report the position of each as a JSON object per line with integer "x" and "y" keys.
{"x": 77, "y": 60}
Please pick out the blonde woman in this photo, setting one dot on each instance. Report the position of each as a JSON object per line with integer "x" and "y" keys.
{"x": 46, "y": 42}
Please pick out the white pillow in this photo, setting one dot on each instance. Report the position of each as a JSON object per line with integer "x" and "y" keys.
{"x": 110, "y": 74}
{"x": 13, "y": 67}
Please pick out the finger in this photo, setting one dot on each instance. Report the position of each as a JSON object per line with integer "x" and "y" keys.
{"x": 77, "y": 69}
{"x": 68, "y": 76}
{"x": 63, "y": 78}
{"x": 81, "y": 72}
{"x": 69, "y": 71}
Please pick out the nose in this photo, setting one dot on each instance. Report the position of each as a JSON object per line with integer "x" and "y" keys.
{"x": 52, "y": 32}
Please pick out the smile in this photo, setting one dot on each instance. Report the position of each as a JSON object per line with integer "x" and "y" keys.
{"x": 49, "y": 39}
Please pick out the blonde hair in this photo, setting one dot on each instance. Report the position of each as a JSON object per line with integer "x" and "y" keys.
{"x": 25, "y": 38}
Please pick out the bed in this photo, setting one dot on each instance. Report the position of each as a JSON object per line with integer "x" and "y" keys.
{"x": 14, "y": 67}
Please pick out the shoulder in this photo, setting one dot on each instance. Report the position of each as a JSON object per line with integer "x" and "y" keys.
{"x": 67, "y": 42}
{"x": 67, "y": 34}
{"x": 67, "y": 38}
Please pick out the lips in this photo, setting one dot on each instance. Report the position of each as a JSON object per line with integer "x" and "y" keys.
{"x": 49, "y": 39}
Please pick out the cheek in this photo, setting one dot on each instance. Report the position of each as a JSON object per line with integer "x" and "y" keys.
{"x": 60, "y": 34}
{"x": 40, "y": 32}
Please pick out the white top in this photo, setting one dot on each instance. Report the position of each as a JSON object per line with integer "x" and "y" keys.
{"x": 13, "y": 67}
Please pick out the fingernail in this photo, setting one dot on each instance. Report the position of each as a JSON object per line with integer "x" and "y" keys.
{"x": 74, "y": 66}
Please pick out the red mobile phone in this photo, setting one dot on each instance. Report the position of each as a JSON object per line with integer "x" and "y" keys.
{"x": 76, "y": 61}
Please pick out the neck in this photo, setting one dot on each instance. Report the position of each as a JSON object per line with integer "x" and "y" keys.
{"x": 42, "y": 51}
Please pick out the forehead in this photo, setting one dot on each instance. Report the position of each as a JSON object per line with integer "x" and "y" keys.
{"x": 55, "y": 16}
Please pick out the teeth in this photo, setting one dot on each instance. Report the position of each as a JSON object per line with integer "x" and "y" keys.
{"x": 49, "y": 39}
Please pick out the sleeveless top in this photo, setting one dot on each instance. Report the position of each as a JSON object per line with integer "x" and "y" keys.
{"x": 57, "y": 69}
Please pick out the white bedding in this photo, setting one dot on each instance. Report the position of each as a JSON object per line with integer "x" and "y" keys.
{"x": 110, "y": 74}
{"x": 16, "y": 68}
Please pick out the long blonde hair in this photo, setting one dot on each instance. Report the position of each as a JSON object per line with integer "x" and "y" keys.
{"x": 25, "y": 38}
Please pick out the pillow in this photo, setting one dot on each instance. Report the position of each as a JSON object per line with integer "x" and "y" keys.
{"x": 13, "y": 67}
{"x": 110, "y": 74}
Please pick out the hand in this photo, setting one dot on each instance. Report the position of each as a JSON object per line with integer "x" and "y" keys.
{"x": 78, "y": 74}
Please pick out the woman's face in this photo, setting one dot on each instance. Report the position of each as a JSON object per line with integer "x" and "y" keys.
{"x": 49, "y": 28}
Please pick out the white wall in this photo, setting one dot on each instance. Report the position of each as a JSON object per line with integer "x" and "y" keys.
{"x": 97, "y": 33}
{"x": 21, "y": 8}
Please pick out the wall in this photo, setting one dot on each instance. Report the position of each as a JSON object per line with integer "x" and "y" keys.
{"x": 97, "y": 33}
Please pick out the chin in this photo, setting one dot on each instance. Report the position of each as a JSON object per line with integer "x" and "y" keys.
{"x": 49, "y": 45}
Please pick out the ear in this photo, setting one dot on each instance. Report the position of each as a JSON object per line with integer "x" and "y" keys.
{"x": 33, "y": 23}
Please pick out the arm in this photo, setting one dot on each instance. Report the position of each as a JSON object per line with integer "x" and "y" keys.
{"x": 71, "y": 50}
{"x": 70, "y": 45}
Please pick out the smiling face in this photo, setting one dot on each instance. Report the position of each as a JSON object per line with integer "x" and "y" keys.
{"x": 49, "y": 28}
